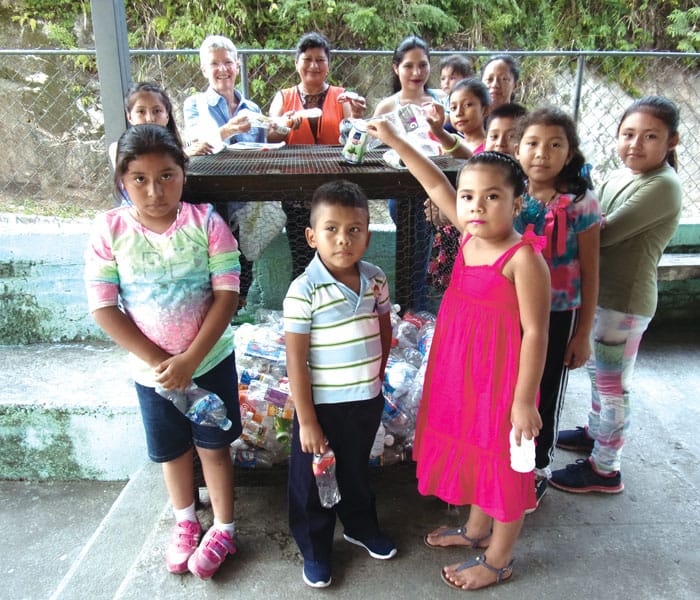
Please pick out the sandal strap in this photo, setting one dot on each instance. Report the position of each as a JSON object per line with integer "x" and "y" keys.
{"x": 500, "y": 573}
{"x": 462, "y": 532}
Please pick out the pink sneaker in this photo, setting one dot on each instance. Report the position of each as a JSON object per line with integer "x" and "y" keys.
{"x": 211, "y": 553}
{"x": 184, "y": 538}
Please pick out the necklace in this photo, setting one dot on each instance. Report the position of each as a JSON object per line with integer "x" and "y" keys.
{"x": 312, "y": 100}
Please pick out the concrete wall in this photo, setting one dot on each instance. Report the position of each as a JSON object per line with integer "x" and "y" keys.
{"x": 42, "y": 297}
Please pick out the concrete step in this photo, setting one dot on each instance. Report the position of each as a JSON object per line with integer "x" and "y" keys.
{"x": 640, "y": 544}
{"x": 109, "y": 554}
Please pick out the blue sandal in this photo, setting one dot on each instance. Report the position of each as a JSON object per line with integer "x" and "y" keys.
{"x": 502, "y": 575}
{"x": 460, "y": 531}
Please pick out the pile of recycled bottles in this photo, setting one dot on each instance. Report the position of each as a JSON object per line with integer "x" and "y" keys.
{"x": 267, "y": 409}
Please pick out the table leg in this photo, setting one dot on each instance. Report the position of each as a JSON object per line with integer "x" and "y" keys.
{"x": 413, "y": 243}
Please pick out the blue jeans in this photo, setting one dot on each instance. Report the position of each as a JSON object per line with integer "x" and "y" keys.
{"x": 169, "y": 433}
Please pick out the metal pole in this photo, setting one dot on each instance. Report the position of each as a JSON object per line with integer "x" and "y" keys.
{"x": 113, "y": 66}
{"x": 580, "y": 62}
{"x": 244, "y": 75}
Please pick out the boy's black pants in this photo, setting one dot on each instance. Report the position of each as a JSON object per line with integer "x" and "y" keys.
{"x": 350, "y": 428}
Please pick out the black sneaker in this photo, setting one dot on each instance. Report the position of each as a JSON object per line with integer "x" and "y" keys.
{"x": 576, "y": 440}
{"x": 540, "y": 491}
{"x": 581, "y": 478}
{"x": 380, "y": 547}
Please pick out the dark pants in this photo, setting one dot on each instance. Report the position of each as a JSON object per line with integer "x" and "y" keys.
{"x": 350, "y": 428}
{"x": 562, "y": 325}
{"x": 297, "y": 221}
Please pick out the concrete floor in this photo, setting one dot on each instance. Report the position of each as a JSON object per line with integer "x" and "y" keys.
{"x": 640, "y": 544}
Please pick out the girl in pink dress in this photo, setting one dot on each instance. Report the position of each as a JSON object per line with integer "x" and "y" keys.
{"x": 486, "y": 359}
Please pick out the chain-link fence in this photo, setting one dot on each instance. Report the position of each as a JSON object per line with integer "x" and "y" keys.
{"x": 52, "y": 127}
{"x": 56, "y": 163}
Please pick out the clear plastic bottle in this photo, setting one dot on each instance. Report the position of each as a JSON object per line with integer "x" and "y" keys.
{"x": 199, "y": 405}
{"x": 425, "y": 338}
{"x": 378, "y": 445}
{"x": 324, "y": 471}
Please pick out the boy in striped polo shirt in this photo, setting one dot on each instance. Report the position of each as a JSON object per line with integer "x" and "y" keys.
{"x": 338, "y": 335}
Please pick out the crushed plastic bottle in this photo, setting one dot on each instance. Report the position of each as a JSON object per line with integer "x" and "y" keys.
{"x": 425, "y": 338}
{"x": 198, "y": 405}
{"x": 407, "y": 329}
{"x": 324, "y": 470}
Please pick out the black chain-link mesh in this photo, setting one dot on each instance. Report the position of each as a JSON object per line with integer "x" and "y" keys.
{"x": 55, "y": 159}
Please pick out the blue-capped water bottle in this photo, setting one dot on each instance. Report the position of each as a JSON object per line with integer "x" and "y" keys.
{"x": 198, "y": 405}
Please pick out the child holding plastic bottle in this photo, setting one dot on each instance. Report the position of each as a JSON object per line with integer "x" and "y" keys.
{"x": 453, "y": 68}
{"x": 468, "y": 104}
{"x": 485, "y": 360}
{"x": 162, "y": 279}
{"x": 559, "y": 204}
{"x": 410, "y": 75}
{"x": 642, "y": 207}
{"x": 338, "y": 335}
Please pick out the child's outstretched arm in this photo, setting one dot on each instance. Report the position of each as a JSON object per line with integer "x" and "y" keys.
{"x": 176, "y": 372}
{"x": 451, "y": 143}
{"x": 423, "y": 169}
{"x": 311, "y": 436}
{"x": 532, "y": 286}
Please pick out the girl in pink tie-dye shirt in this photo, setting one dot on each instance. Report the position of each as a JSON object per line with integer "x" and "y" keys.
{"x": 162, "y": 279}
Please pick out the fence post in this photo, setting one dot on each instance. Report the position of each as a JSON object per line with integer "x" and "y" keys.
{"x": 243, "y": 70}
{"x": 580, "y": 63}
{"x": 113, "y": 66}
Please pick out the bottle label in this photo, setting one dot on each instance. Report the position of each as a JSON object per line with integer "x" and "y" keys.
{"x": 354, "y": 149}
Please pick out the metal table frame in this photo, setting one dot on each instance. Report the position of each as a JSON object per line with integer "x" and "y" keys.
{"x": 294, "y": 172}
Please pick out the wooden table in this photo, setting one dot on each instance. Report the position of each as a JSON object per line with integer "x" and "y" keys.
{"x": 294, "y": 172}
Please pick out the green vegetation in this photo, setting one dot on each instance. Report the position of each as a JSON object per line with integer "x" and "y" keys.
{"x": 462, "y": 24}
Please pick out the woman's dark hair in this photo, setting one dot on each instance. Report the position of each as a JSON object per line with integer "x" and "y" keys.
{"x": 509, "y": 60}
{"x": 475, "y": 87}
{"x": 569, "y": 180}
{"x": 148, "y": 86}
{"x": 665, "y": 111}
{"x": 139, "y": 140}
{"x": 407, "y": 44}
{"x": 512, "y": 171}
{"x": 313, "y": 40}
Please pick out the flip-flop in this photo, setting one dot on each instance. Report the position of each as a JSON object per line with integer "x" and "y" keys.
{"x": 460, "y": 531}
{"x": 502, "y": 575}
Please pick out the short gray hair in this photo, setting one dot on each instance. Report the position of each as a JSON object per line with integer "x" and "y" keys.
{"x": 215, "y": 42}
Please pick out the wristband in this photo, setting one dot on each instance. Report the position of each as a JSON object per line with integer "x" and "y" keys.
{"x": 458, "y": 142}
